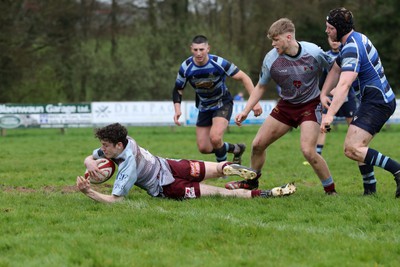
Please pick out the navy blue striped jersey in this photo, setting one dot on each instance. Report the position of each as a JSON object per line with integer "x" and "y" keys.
{"x": 334, "y": 55}
{"x": 208, "y": 81}
{"x": 359, "y": 55}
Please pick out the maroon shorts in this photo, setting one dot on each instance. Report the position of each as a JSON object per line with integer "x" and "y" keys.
{"x": 294, "y": 114}
{"x": 188, "y": 174}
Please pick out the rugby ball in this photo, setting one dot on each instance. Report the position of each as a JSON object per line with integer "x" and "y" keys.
{"x": 107, "y": 168}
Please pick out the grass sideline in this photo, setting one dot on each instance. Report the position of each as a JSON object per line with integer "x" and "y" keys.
{"x": 46, "y": 222}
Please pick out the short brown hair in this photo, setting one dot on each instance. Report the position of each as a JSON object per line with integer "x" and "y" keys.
{"x": 281, "y": 26}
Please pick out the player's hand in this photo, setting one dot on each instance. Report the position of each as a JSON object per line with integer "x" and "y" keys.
{"x": 257, "y": 110}
{"x": 240, "y": 118}
{"x": 83, "y": 184}
{"x": 326, "y": 123}
{"x": 325, "y": 101}
{"x": 176, "y": 118}
{"x": 92, "y": 167}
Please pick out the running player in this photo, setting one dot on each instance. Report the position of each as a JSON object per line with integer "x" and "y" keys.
{"x": 296, "y": 68}
{"x": 358, "y": 65}
{"x": 206, "y": 73}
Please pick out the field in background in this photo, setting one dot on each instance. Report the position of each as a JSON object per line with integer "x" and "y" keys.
{"x": 46, "y": 222}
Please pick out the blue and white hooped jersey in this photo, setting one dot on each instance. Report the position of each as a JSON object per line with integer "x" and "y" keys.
{"x": 334, "y": 55}
{"x": 359, "y": 55}
{"x": 208, "y": 81}
{"x": 297, "y": 76}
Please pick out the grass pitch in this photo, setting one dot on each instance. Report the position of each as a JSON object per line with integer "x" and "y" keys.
{"x": 45, "y": 221}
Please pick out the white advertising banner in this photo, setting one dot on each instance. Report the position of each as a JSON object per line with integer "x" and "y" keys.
{"x": 267, "y": 106}
{"x": 140, "y": 113}
{"x": 162, "y": 112}
{"x": 134, "y": 113}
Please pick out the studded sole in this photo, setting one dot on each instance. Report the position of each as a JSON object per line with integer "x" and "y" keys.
{"x": 244, "y": 172}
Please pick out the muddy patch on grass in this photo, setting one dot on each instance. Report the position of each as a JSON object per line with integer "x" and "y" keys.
{"x": 66, "y": 189}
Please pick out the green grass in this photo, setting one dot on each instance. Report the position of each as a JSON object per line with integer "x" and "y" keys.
{"x": 46, "y": 222}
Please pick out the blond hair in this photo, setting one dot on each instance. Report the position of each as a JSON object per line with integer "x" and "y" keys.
{"x": 281, "y": 26}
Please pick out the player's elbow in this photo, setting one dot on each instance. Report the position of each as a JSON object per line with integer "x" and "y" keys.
{"x": 176, "y": 95}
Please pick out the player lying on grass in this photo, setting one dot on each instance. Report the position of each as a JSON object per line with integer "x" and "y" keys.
{"x": 160, "y": 177}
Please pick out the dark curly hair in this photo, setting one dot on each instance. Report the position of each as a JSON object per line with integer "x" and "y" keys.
{"x": 112, "y": 133}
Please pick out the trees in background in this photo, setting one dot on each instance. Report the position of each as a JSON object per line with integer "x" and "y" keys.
{"x": 126, "y": 50}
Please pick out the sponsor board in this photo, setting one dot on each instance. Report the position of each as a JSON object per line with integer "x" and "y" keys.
{"x": 238, "y": 106}
{"x": 134, "y": 113}
{"x": 45, "y": 115}
{"x": 140, "y": 113}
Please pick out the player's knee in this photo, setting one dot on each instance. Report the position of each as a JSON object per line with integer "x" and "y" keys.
{"x": 215, "y": 140}
{"x": 350, "y": 152}
{"x": 257, "y": 149}
{"x": 204, "y": 149}
{"x": 309, "y": 153}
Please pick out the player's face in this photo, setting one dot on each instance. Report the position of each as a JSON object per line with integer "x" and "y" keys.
{"x": 334, "y": 45}
{"x": 110, "y": 150}
{"x": 331, "y": 32}
{"x": 200, "y": 53}
{"x": 281, "y": 43}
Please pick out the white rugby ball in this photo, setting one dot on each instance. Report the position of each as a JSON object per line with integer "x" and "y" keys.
{"x": 107, "y": 168}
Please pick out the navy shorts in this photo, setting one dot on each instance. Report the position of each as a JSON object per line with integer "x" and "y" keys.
{"x": 371, "y": 117}
{"x": 205, "y": 117}
{"x": 348, "y": 108}
{"x": 188, "y": 174}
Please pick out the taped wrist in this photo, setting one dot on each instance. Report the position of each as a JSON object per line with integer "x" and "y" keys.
{"x": 176, "y": 96}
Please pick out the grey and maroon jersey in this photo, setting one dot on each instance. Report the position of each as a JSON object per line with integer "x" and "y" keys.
{"x": 137, "y": 166}
{"x": 297, "y": 76}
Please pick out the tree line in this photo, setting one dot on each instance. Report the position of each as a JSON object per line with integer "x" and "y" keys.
{"x": 121, "y": 50}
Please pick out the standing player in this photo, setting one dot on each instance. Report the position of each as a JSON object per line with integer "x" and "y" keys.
{"x": 160, "y": 177}
{"x": 239, "y": 97}
{"x": 350, "y": 104}
{"x": 295, "y": 67}
{"x": 358, "y": 65}
{"x": 206, "y": 73}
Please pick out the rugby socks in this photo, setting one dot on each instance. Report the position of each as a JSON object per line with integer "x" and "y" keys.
{"x": 261, "y": 193}
{"x": 373, "y": 157}
{"x": 221, "y": 153}
{"x": 369, "y": 181}
{"x": 319, "y": 149}
{"x": 329, "y": 185}
{"x": 231, "y": 147}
